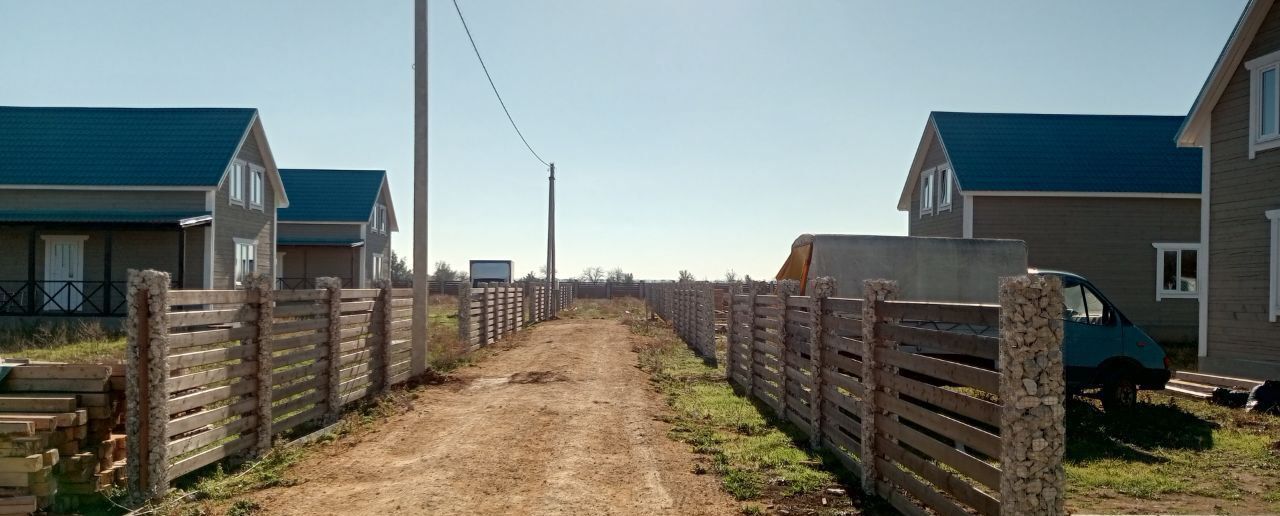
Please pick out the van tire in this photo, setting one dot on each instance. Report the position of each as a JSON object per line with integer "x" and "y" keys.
{"x": 1119, "y": 394}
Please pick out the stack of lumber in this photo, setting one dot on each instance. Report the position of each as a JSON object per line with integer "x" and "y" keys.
{"x": 73, "y": 415}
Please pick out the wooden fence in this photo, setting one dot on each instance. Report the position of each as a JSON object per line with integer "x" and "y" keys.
{"x": 211, "y": 373}
{"x": 908, "y": 395}
{"x": 488, "y": 312}
{"x": 690, "y": 308}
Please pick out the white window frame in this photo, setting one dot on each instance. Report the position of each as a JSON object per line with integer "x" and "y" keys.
{"x": 946, "y": 194}
{"x": 1257, "y": 140}
{"x": 238, "y": 270}
{"x": 1274, "y": 304}
{"x": 927, "y": 186}
{"x": 378, "y": 264}
{"x": 235, "y": 183}
{"x": 257, "y": 186}
{"x": 382, "y": 219}
{"x": 1161, "y": 292}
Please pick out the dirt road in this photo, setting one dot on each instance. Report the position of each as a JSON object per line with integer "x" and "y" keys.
{"x": 561, "y": 423}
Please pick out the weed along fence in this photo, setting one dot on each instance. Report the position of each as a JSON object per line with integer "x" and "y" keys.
{"x": 211, "y": 374}
{"x": 890, "y": 387}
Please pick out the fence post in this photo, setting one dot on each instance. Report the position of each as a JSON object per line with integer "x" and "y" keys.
{"x": 382, "y": 353}
{"x": 260, "y": 286}
{"x": 1032, "y": 415}
{"x": 874, "y": 292}
{"x": 751, "y": 340}
{"x": 146, "y": 373}
{"x": 823, "y": 288}
{"x": 464, "y": 314}
{"x": 785, "y": 289}
{"x": 333, "y": 286}
{"x": 729, "y": 340}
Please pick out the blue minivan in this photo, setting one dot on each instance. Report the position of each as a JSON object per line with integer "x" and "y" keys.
{"x": 1103, "y": 348}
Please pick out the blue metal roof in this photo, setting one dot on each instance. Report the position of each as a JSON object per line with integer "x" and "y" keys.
{"x": 97, "y": 216}
{"x": 1068, "y": 153}
{"x": 317, "y": 195}
{"x": 119, "y": 146}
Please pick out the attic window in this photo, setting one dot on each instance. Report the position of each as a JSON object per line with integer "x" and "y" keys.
{"x": 927, "y": 191}
{"x": 255, "y": 187}
{"x": 1264, "y": 103}
{"x": 944, "y": 183}
{"x": 382, "y": 219}
{"x": 237, "y": 183}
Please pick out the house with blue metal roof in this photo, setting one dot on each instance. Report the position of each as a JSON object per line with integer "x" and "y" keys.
{"x": 1110, "y": 197}
{"x": 88, "y": 193}
{"x": 338, "y": 224}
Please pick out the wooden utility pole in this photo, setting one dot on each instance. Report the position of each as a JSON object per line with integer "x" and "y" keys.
{"x": 552, "y": 301}
{"x": 418, "y": 352}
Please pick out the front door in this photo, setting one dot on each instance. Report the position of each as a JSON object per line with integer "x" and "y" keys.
{"x": 63, "y": 273}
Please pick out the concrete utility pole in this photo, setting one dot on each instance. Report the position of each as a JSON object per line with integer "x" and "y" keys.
{"x": 552, "y": 291}
{"x": 418, "y": 353}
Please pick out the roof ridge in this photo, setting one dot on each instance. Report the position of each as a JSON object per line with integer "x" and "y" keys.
{"x": 128, "y": 108}
{"x": 1079, "y": 115}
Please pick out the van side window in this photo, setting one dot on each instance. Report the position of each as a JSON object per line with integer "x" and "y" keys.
{"x": 1083, "y": 306}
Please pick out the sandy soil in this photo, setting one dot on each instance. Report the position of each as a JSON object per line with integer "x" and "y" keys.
{"x": 561, "y": 423}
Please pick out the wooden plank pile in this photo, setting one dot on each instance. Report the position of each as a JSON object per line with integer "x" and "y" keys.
{"x": 57, "y": 434}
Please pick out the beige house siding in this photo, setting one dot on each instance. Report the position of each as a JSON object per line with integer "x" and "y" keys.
{"x": 375, "y": 242}
{"x": 944, "y": 222}
{"x": 234, "y": 221}
{"x": 1108, "y": 241}
{"x": 1241, "y": 339}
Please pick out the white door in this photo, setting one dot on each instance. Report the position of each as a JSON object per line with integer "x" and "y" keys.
{"x": 63, "y": 272}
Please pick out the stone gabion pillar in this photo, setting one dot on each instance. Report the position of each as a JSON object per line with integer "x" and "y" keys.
{"x": 146, "y": 373}
{"x": 786, "y": 289}
{"x": 874, "y": 292}
{"x": 382, "y": 353}
{"x": 464, "y": 313}
{"x": 822, "y": 288}
{"x": 261, "y": 286}
{"x": 1032, "y": 392}
{"x": 751, "y": 340}
{"x": 333, "y": 286}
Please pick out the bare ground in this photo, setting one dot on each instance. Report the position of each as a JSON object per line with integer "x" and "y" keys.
{"x": 563, "y": 422}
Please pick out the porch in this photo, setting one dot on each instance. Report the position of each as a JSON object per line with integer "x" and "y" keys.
{"x": 76, "y": 264}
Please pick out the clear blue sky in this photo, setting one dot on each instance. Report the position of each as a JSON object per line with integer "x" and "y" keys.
{"x": 702, "y": 135}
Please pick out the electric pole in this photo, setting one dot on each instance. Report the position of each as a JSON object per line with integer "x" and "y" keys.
{"x": 553, "y": 297}
{"x": 418, "y": 353}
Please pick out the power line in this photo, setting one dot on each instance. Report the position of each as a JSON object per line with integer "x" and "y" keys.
{"x": 495, "y": 88}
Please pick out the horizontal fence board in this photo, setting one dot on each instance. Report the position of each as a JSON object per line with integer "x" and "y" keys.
{"x": 181, "y": 340}
{"x": 211, "y": 396}
{"x": 212, "y": 356}
{"x": 213, "y": 435}
{"x": 962, "y": 433}
{"x": 221, "y": 374}
{"x": 964, "y": 463}
{"x": 844, "y": 305}
{"x": 300, "y": 340}
{"x": 946, "y": 481}
{"x": 207, "y": 317}
{"x": 963, "y": 404}
{"x": 300, "y": 310}
{"x": 285, "y": 327}
{"x": 186, "y": 424}
{"x": 957, "y": 373}
{"x": 930, "y": 496}
{"x": 937, "y": 341}
{"x": 849, "y": 403}
{"x": 281, "y": 392}
{"x": 302, "y": 356}
{"x": 288, "y": 423}
{"x": 982, "y": 315}
{"x": 853, "y": 385}
{"x": 301, "y": 295}
{"x": 845, "y": 344}
{"x": 210, "y": 297}
{"x": 299, "y": 403}
{"x": 360, "y": 293}
{"x": 356, "y": 306}
{"x": 211, "y": 455}
{"x": 838, "y": 418}
{"x": 842, "y": 326}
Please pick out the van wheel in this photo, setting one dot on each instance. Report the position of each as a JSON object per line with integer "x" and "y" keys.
{"x": 1119, "y": 395}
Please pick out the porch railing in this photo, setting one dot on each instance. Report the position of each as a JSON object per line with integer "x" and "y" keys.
{"x": 305, "y": 283}
{"x": 62, "y": 298}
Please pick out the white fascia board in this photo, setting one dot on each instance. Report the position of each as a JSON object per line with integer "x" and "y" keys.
{"x": 1228, "y": 61}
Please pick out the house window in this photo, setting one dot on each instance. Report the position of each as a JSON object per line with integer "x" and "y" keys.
{"x": 1264, "y": 103}
{"x": 382, "y": 219}
{"x": 1176, "y": 270}
{"x": 246, "y": 260}
{"x": 237, "y": 183}
{"x": 377, "y": 267}
{"x": 944, "y": 184}
{"x": 926, "y": 193}
{"x": 255, "y": 187}
{"x": 1274, "y": 284}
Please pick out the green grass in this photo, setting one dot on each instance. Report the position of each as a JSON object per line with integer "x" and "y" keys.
{"x": 754, "y": 455}
{"x": 1170, "y": 447}
{"x": 62, "y": 341}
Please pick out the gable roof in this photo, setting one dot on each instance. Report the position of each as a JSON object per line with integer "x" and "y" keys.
{"x": 1255, "y": 12}
{"x": 80, "y": 146}
{"x": 323, "y": 195}
{"x": 1059, "y": 154}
